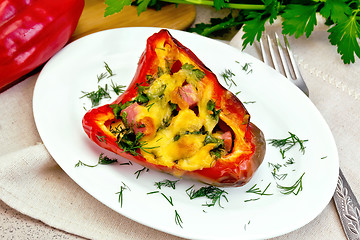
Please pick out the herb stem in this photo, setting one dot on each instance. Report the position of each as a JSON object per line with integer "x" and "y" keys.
{"x": 226, "y": 5}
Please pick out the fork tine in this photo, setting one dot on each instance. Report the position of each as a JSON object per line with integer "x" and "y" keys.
{"x": 298, "y": 78}
{"x": 292, "y": 59}
{"x": 272, "y": 54}
{"x": 282, "y": 57}
{"x": 287, "y": 62}
{"x": 263, "y": 52}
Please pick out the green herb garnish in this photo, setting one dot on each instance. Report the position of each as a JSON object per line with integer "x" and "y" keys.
{"x": 196, "y": 72}
{"x": 288, "y": 143}
{"x": 211, "y": 107}
{"x": 295, "y": 188}
{"x": 138, "y": 172}
{"x": 178, "y": 220}
{"x": 218, "y": 149}
{"x": 210, "y": 192}
{"x": 166, "y": 183}
{"x": 169, "y": 199}
{"x": 227, "y": 76}
{"x": 258, "y": 191}
{"x": 103, "y": 160}
{"x": 122, "y": 188}
{"x": 108, "y": 69}
{"x": 117, "y": 88}
{"x": 96, "y": 96}
{"x": 246, "y": 68}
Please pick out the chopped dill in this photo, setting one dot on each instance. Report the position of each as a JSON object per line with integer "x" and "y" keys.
{"x": 138, "y": 172}
{"x": 101, "y": 76}
{"x": 149, "y": 106}
{"x": 252, "y": 199}
{"x": 289, "y": 142}
{"x": 178, "y": 219}
{"x": 96, "y": 96}
{"x": 126, "y": 163}
{"x": 227, "y": 76}
{"x": 210, "y": 192}
{"x": 117, "y": 88}
{"x": 290, "y": 161}
{"x": 169, "y": 199}
{"x": 108, "y": 69}
{"x": 282, "y": 153}
{"x": 258, "y": 191}
{"x": 104, "y": 160}
{"x": 295, "y": 188}
{"x": 166, "y": 183}
{"x": 152, "y": 192}
{"x": 246, "y": 68}
{"x": 122, "y": 188}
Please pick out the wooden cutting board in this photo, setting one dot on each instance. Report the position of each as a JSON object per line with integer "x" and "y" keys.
{"x": 93, "y": 20}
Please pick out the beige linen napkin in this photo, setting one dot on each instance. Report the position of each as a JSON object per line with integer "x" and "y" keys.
{"x": 32, "y": 183}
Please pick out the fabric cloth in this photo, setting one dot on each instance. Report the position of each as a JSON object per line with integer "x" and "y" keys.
{"x": 32, "y": 183}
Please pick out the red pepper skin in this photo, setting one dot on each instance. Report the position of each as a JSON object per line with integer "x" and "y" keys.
{"x": 233, "y": 169}
{"x": 31, "y": 32}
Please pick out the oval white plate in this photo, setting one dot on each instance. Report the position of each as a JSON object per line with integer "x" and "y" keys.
{"x": 275, "y": 105}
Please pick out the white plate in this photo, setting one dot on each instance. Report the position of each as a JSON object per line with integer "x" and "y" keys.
{"x": 275, "y": 105}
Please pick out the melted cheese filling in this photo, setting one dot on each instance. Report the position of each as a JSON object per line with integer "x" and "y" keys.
{"x": 179, "y": 139}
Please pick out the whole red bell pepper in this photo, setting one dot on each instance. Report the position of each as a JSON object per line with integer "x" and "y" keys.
{"x": 175, "y": 117}
{"x": 32, "y": 31}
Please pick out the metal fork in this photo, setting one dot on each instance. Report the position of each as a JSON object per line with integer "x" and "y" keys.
{"x": 288, "y": 63}
{"x": 344, "y": 198}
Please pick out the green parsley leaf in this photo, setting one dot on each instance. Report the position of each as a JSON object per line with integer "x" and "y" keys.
{"x": 345, "y": 36}
{"x": 196, "y": 72}
{"x": 299, "y": 19}
{"x": 115, "y": 6}
{"x": 219, "y": 4}
{"x": 255, "y": 24}
{"x": 336, "y": 10}
{"x": 143, "y": 4}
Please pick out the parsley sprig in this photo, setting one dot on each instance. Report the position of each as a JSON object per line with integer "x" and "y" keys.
{"x": 299, "y": 19}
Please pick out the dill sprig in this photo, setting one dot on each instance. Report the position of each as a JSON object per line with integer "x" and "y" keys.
{"x": 104, "y": 160}
{"x": 227, "y": 76}
{"x": 138, "y": 172}
{"x": 178, "y": 219}
{"x": 96, "y": 96}
{"x": 210, "y": 192}
{"x": 246, "y": 68}
{"x": 258, "y": 191}
{"x": 166, "y": 183}
{"x": 130, "y": 142}
{"x": 122, "y": 188}
{"x": 169, "y": 199}
{"x": 295, "y": 188}
{"x": 288, "y": 143}
{"x": 117, "y": 88}
{"x": 101, "y": 76}
{"x": 108, "y": 69}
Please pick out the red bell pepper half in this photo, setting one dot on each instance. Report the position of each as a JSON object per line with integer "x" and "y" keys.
{"x": 32, "y": 31}
{"x": 175, "y": 117}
